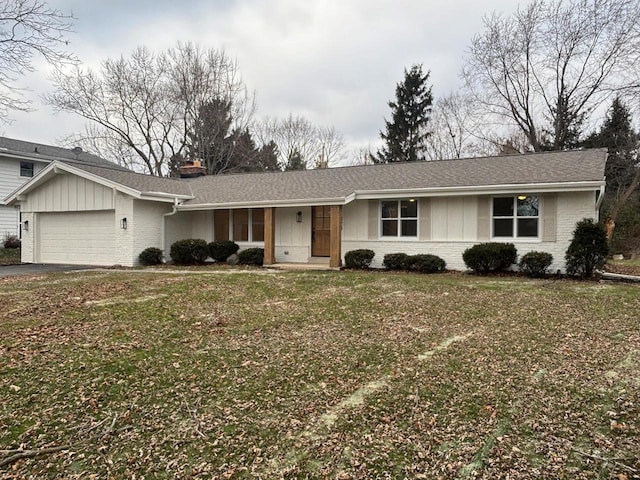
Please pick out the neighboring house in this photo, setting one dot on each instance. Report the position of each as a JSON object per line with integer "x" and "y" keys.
{"x": 75, "y": 213}
{"x": 19, "y": 162}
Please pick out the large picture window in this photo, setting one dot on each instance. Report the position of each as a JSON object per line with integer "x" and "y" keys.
{"x": 399, "y": 218}
{"x": 516, "y": 217}
{"x": 248, "y": 225}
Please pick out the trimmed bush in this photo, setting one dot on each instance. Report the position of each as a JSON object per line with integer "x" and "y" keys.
{"x": 395, "y": 261}
{"x": 425, "y": 263}
{"x": 190, "y": 251}
{"x": 150, "y": 256}
{"x": 588, "y": 249}
{"x": 535, "y": 264}
{"x": 222, "y": 249}
{"x": 490, "y": 257}
{"x": 12, "y": 241}
{"x": 361, "y": 258}
{"x": 251, "y": 256}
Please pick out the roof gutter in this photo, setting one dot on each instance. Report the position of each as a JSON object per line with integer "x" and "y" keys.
{"x": 268, "y": 203}
{"x": 173, "y": 211}
{"x": 481, "y": 189}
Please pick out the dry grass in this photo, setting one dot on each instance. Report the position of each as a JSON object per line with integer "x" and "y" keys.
{"x": 9, "y": 256}
{"x": 318, "y": 375}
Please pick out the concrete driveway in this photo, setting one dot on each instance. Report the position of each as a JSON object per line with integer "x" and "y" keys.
{"x": 38, "y": 268}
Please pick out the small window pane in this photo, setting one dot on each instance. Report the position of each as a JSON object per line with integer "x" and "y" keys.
{"x": 528, "y": 206}
{"x": 257, "y": 225}
{"x": 503, "y": 207}
{"x": 527, "y": 227}
{"x": 408, "y": 209}
{"x": 241, "y": 225}
{"x": 503, "y": 227}
{"x": 409, "y": 228}
{"x": 389, "y": 228}
{"x": 390, "y": 209}
{"x": 26, "y": 169}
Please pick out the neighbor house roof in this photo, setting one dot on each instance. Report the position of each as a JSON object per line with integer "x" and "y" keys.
{"x": 549, "y": 171}
{"x": 47, "y": 153}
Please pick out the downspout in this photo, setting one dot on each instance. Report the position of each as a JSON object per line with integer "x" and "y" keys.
{"x": 164, "y": 221}
{"x": 599, "y": 202}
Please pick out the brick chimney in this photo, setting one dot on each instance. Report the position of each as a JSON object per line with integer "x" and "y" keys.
{"x": 192, "y": 169}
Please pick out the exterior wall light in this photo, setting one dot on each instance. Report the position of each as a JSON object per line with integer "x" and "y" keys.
{"x": 123, "y": 223}
{"x": 299, "y": 217}
{"x": 25, "y": 225}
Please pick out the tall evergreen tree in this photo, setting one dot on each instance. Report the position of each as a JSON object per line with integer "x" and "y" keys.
{"x": 622, "y": 170}
{"x": 406, "y": 133}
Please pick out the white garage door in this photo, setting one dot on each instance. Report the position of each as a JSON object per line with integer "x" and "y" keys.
{"x": 81, "y": 238}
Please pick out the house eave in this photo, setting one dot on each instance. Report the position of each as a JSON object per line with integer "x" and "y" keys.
{"x": 480, "y": 189}
{"x": 311, "y": 202}
{"x": 35, "y": 157}
{"x": 59, "y": 168}
{"x": 396, "y": 193}
{"x": 163, "y": 197}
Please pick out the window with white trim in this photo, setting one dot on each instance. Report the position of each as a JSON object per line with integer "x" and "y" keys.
{"x": 399, "y": 218}
{"x": 26, "y": 169}
{"x": 248, "y": 225}
{"x": 516, "y": 217}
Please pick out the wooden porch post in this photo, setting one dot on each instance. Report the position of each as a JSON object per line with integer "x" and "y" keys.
{"x": 335, "y": 259}
{"x": 269, "y": 236}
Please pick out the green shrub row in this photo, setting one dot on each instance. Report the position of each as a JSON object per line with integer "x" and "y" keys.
{"x": 423, "y": 263}
{"x": 190, "y": 251}
{"x": 586, "y": 253}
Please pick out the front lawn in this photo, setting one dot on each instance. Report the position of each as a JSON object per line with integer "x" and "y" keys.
{"x": 9, "y": 256}
{"x": 317, "y": 375}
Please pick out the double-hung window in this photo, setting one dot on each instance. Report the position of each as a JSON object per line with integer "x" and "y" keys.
{"x": 26, "y": 169}
{"x": 516, "y": 217}
{"x": 248, "y": 225}
{"x": 399, "y": 218}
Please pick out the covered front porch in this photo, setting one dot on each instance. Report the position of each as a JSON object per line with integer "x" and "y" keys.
{"x": 303, "y": 234}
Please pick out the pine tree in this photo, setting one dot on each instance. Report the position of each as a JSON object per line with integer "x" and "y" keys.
{"x": 622, "y": 173}
{"x": 406, "y": 133}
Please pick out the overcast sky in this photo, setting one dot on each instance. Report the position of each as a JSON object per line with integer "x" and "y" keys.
{"x": 335, "y": 62}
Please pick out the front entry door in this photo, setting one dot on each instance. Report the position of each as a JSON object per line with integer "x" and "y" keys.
{"x": 321, "y": 232}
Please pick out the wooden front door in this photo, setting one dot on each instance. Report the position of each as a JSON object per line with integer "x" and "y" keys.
{"x": 321, "y": 231}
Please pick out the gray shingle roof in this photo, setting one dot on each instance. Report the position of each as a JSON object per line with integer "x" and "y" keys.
{"x": 537, "y": 168}
{"x": 48, "y": 153}
{"x": 335, "y": 184}
{"x": 139, "y": 181}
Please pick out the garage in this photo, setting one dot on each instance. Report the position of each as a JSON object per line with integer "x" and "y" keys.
{"x": 81, "y": 238}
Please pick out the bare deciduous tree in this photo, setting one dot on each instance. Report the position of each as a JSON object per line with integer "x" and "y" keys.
{"x": 151, "y": 102}
{"x": 457, "y": 129}
{"x": 296, "y": 137}
{"x": 28, "y": 28}
{"x": 547, "y": 67}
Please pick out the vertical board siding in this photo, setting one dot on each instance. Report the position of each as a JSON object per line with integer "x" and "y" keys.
{"x": 373, "y": 219}
{"x": 424, "y": 210}
{"x": 484, "y": 218}
{"x": 549, "y": 212}
{"x": 69, "y": 193}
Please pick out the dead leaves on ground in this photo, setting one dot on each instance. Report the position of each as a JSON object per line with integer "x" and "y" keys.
{"x": 221, "y": 376}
